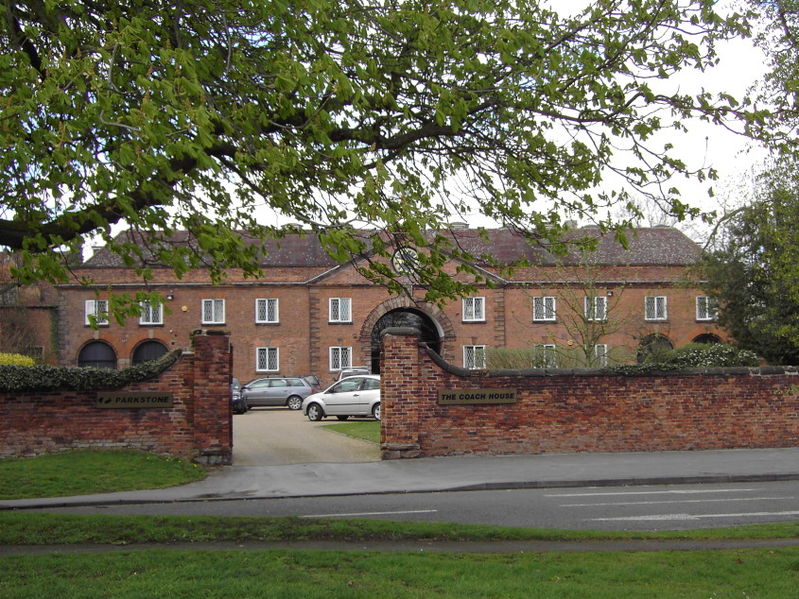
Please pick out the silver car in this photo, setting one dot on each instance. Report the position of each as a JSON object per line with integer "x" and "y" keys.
{"x": 352, "y": 396}
{"x": 355, "y": 370}
{"x": 276, "y": 391}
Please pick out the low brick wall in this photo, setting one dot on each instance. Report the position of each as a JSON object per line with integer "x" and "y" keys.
{"x": 197, "y": 426}
{"x": 574, "y": 411}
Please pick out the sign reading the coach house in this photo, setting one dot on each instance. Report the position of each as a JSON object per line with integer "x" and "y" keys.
{"x": 477, "y": 396}
{"x": 134, "y": 399}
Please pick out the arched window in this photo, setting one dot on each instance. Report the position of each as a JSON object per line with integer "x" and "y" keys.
{"x": 97, "y": 354}
{"x": 149, "y": 350}
{"x": 707, "y": 338}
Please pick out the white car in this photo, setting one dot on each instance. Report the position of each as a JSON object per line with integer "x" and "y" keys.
{"x": 352, "y": 396}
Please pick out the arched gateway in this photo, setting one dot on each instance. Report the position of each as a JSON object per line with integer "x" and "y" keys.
{"x": 402, "y": 312}
{"x": 404, "y": 317}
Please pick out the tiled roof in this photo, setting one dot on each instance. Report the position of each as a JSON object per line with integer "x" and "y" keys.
{"x": 656, "y": 246}
{"x": 291, "y": 250}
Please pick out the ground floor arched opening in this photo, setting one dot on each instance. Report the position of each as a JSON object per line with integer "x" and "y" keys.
{"x": 708, "y": 338}
{"x": 652, "y": 345}
{"x": 97, "y": 354}
{"x": 149, "y": 350}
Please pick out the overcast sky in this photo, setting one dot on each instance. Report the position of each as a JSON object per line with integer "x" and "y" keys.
{"x": 734, "y": 157}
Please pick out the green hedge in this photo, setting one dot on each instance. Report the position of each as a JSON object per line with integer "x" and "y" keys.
{"x": 51, "y": 378}
{"x": 692, "y": 355}
{"x": 707, "y": 355}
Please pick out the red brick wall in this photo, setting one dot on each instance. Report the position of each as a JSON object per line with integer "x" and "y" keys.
{"x": 197, "y": 426}
{"x": 586, "y": 411}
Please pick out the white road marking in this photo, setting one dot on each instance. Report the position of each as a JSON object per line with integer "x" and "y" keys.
{"x": 709, "y": 500}
{"x": 694, "y": 516}
{"x": 355, "y": 515}
{"x": 674, "y": 492}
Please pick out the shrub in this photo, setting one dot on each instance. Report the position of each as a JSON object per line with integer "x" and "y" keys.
{"x": 16, "y": 359}
{"x": 705, "y": 355}
{"x": 505, "y": 358}
{"x": 15, "y": 378}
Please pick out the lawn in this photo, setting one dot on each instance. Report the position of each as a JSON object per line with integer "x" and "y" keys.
{"x": 86, "y": 471}
{"x": 368, "y": 430}
{"x": 241, "y": 574}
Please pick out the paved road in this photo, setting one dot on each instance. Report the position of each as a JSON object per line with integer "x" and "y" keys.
{"x": 277, "y": 436}
{"x": 641, "y": 508}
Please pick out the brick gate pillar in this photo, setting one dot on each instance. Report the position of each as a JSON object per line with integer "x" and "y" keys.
{"x": 399, "y": 390}
{"x": 213, "y": 424}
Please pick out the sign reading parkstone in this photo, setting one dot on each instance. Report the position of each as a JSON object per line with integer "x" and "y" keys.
{"x": 134, "y": 399}
{"x": 477, "y": 396}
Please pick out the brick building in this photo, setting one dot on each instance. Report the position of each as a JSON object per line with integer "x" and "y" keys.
{"x": 308, "y": 314}
{"x": 28, "y": 316}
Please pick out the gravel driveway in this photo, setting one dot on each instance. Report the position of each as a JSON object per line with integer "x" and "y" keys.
{"x": 276, "y": 436}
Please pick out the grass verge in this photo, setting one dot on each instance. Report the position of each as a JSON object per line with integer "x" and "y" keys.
{"x": 368, "y": 430}
{"x": 84, "y": 472}
{"x": 321, "y": 574}
{"x": 34, "y": 528}
{"x": 289, "y": 574}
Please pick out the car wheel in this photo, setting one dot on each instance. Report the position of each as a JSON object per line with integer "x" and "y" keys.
{"x": 294, "y": 402}
{"x": 376, "y": 411}
{"x": 342, "y": 417}
{"x": 315, "y": 412}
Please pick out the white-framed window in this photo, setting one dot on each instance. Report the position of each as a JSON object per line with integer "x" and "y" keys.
{"x": 267, "y": 310}
{"x": 340, "y": 357}
{"x": 98, "y": 309}
{"x": 213, "y": 311}
{"x": 544, "y": 355}
{"x": 267, "y": 359}
{"x": 544, "y": 309}
{"x": 474, "y": 309}
{"x": 599, "y": 355}
{"x": 655, "y": 307}
{"x": 706, "y": 308}
{"x": 474, "y": 357}
{"x": 340, "y": 309}
{"x": 151, "y": 313}
{"x": 596, "y": 308}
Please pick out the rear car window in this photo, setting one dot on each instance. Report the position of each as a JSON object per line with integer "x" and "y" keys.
{"x": 371, "y": 384}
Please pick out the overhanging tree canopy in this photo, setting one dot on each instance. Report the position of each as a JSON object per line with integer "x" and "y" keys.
{"x": 389, "y": 114}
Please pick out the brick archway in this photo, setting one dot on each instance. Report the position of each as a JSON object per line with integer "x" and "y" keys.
{"x": 446, "y": 332}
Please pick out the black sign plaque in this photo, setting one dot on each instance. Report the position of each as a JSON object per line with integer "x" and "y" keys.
{"x": 134, "y": 399}
{"x": 477, "y": 396}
